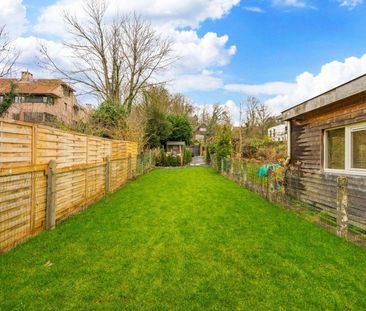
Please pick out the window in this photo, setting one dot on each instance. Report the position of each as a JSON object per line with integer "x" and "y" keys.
{"x": 33, "y": 116}
{"x": 336, "y": 148}
{"x": 49, "y": 117}
{"x": 67, "y": 91}
{"x": 19, "y": 99}
{"x": 345, "y": 149}
{"x": 358, "y": 137}
{"x": 65, "y": 106}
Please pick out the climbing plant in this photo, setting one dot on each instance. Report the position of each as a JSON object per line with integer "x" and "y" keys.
{"x": 7, "y": 100}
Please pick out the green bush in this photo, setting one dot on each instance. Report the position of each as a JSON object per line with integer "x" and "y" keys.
{"x": 160, "y": 158}
{"x": 167, "y": 159}
{"x": 221, "y": 147}
{"x": 172, "y": 160}
{"x": 187, "y": 156}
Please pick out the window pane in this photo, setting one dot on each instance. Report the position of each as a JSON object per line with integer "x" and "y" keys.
{"x": 336, "y": 146}
{"x": 359, "y": 149}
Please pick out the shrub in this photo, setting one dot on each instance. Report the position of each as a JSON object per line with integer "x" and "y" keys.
{"x": 167, "y": 159}
{"x": 8, "y": 100}
{"x": 187, "y": 156}
{"x": 264, "y": 150}
{"x": 172, "y": 160}
{"x": 160, "y": 159}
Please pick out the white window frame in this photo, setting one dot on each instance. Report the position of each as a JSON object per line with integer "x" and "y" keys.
{"x": 348, "y": 130}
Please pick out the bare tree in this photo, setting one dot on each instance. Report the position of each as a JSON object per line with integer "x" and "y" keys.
{"x": 113, "y": 61}
{"x": 8, "y": 54}
{"x": 264, "y": 117}
{"x": 258, "y": 117}
{"x": 252, "y": 104}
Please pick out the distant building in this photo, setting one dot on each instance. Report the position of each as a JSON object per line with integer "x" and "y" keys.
{"x": 200, "y": 133}
{"x": 199, "y": 137}
{"x": 42, "y": 100}
{"x": 278, "y": 132}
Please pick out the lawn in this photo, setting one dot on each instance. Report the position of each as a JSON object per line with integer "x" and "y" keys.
{"x": 184, "y": 239}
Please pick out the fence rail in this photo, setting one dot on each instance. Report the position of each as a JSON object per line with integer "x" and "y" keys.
{"x": 275, "y": 189}
{"x": 47, "y": 174}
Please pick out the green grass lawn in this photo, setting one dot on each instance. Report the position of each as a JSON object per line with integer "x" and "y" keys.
{"x": 184, "y": 239}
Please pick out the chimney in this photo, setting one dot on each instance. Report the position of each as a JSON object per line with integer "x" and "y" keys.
{"x": 26, "y": 76}
{"x": 89, "y": 107}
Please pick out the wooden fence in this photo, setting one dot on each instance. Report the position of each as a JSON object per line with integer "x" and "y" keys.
{"x": 47, "y": 174}
{"x": 275, "y": 188}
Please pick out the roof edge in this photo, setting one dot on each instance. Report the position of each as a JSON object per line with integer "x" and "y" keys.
{"x": 342, "y": 91}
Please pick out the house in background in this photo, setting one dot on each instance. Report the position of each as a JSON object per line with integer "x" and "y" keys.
{"x": 199, "y": 137}
{"x": 278, "y": 132}
{"x": 327, "y": 140}
{"x": 43, "y": 100}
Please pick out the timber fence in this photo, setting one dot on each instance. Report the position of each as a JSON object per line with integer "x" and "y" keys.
{"x": 275, "y": 188}
{"x": 47, "y": 174}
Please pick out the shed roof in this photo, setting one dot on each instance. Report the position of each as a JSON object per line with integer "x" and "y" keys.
{"x": 175, "y": 143}
{"x": 348, "y": 89}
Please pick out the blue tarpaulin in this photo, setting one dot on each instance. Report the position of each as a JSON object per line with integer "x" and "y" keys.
{"x": 263, "y": 170}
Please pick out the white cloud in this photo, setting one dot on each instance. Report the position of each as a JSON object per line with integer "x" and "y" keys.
{"x": 169, "y": 14}
{"x": 255, "y": 9}
{"x": 290, "y": 3}
{"x": 198, "y": 53}
{"x": 309, "y": 85}
{"x": 234, "y": 111}
{"x": 351, "y": 4}
{"x": 13, "y": 16}
{"x": 271, "y": 88}
{"x": 29, "y": 58}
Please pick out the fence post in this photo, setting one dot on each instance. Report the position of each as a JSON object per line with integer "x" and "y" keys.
{"x": 342, "y": 205}
{"x": 245, "y": 175}
{"x": 142, "y": 157}
{"x": 271, "y": 184}
{"x": 129, "y": 176}
{"x": 107, "y": 174}
{"x": 222, "y": 166}
{"x": 150, "y": 159}
{"x": 51, "y": 195}
{"x": 241, "y": 173}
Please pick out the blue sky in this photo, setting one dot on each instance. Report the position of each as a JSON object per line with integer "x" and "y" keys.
{"x": 282, "y": 51}
{"x": 281, "y": 43}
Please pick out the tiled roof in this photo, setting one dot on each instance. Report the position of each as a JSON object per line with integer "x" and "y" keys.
{"x": 36, "y": 86}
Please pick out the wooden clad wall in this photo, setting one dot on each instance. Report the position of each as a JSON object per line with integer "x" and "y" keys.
{"x": 25, "y": 151}
{"x": 306, "y": 179}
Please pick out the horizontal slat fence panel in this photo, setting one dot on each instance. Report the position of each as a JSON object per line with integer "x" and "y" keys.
{"x": 87, "y": 168}
{"x": 15, "y": 144}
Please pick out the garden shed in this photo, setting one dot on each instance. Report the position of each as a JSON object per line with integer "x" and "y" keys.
{"x": 327, "y": 151}
{"x": 175, "y": 147}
